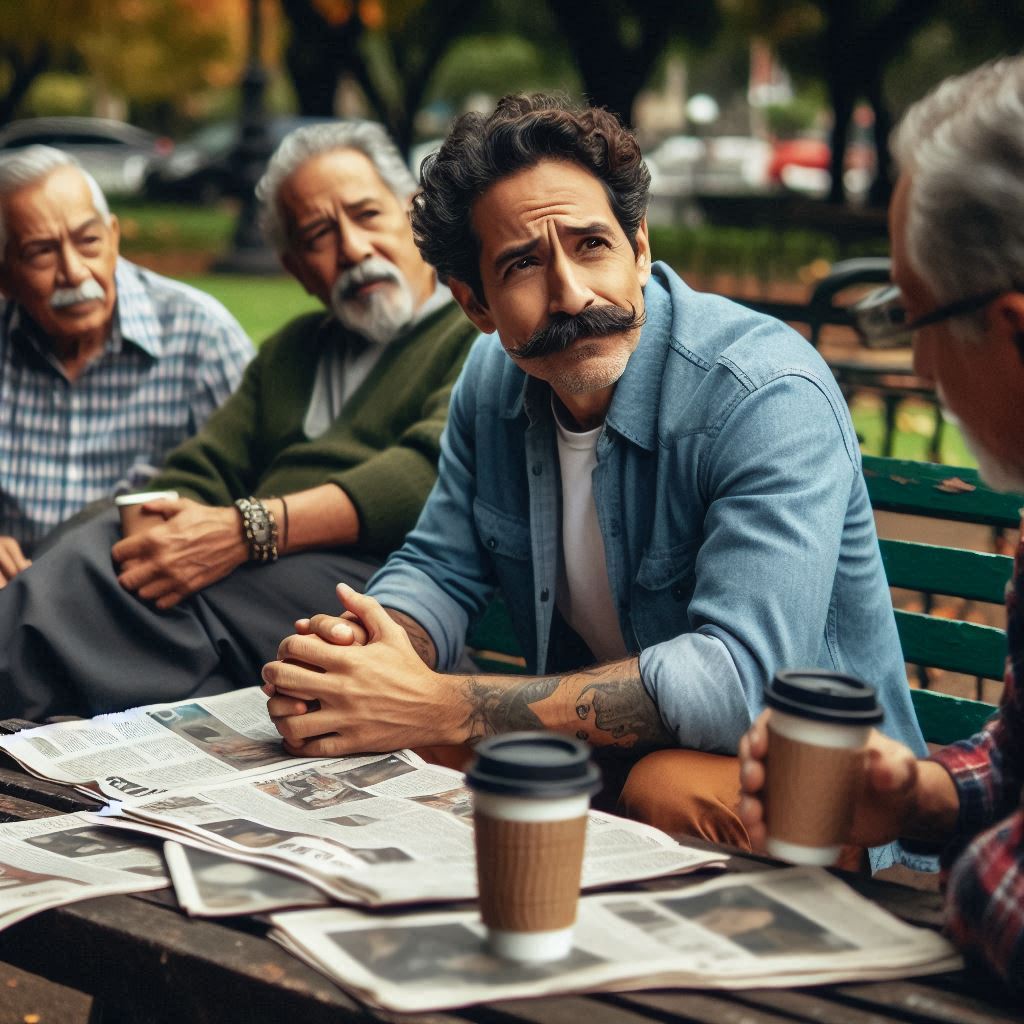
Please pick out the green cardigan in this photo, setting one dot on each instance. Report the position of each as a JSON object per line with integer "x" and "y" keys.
{"x": 382, "y": 449}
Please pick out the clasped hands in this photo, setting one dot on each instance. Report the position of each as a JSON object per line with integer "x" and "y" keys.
{"x": 354, "y": 684}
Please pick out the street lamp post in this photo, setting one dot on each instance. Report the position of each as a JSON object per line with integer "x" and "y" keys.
{"x": 249, "y": 253}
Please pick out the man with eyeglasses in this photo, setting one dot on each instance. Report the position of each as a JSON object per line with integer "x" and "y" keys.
{"x": 957, "y": 229}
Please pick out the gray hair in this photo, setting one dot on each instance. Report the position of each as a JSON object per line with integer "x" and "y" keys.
{"x": 312, "y": 140}
{"x": 25, "y": 167}
{"x": 963, "y": 147}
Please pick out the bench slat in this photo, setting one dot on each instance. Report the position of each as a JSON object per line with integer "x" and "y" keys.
{"x": 946, "y": 719}
{"x": 952, "y": 645}
{"x": 941, "y": 492}
{"x": 938, "y": 570}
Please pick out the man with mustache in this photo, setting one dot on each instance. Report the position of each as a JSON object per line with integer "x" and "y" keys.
{"x": 312, "y": 472}
{"x": 957, "y": 228}
{"x": 665, "y": 486}
{"x": 104, "y": 366}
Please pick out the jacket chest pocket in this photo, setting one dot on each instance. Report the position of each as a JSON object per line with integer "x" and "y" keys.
{"x": 502, "y": 535}
{"x": 661, "y": 593}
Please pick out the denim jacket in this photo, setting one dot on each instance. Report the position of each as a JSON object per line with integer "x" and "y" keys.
{"x": 737, "y": 529}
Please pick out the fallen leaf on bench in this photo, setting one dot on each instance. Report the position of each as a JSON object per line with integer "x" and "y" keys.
{"x": 954, "y": 485}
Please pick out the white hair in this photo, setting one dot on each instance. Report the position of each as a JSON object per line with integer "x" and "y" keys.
{"x": 24, "y": 167}
{"x": 312, "y": 140}
{"x": 963, "y": 149}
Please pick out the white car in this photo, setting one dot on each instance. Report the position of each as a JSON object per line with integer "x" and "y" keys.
{"x": 116, "y": 154}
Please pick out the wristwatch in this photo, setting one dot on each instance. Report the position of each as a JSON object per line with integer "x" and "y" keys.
{"x": 260, "y": 529}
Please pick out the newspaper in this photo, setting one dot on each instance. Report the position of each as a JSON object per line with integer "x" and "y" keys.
{"x": 373, "y": 830}
{"x": 212, "y": 885}
{"x": 157, "y": 747}
{"x": 376, "y": 830}
{"x": 797, "y": 926}
{"x": 48, "y": 862}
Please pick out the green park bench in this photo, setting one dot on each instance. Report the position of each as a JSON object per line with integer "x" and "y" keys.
{"x": 935, "y": 640}
{"x": 927, "y": 639}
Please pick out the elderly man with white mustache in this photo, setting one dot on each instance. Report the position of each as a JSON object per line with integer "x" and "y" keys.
{"x": 104, "y": 366}
{"x": 311, "y": 473}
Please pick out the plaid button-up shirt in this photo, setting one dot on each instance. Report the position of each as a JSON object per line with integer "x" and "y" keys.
{"x": 985, "y": 869}
{"x": 173, "y": 355}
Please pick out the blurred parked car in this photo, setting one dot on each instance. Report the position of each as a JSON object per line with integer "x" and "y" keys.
{"x": 684, "y": 165}
{"x": 116, "y": 154}
{"x": 673, "y": 165}
{"x": 201, "y": 168}
{"x": 804, "y": 165}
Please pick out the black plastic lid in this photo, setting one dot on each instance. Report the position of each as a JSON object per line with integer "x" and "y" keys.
{"x": 544, "y": 765}
{"x": 824, "y": 697}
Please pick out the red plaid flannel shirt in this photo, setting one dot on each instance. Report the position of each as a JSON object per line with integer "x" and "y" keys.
{"x": 984, "y": 867}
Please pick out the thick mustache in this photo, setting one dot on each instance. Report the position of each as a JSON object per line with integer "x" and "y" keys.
{"x": 563, "y": 329}
{"x": 352, "y": 280}
{"x": 85, "y": 292}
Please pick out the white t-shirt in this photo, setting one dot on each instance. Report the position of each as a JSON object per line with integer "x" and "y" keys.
{"x": 584, "y": 596}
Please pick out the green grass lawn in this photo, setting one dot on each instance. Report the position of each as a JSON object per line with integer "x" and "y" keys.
{"x": 173, "y": 227}
{"x": 260, "y": 304}
{"x": 915, "y": 423}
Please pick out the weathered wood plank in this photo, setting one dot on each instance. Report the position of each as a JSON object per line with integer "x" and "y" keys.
{"x": 14, "y": 782}
{"x": 955, "y": 646}
{"x": 943, "y": 492}
{"x": 812, "y": 1005}
{"x": 700, "y": 1008}
{"x": 927, "y": 1002}
{"x": 976, "y": 575}
{"x": 168, "y": 967}
{"x": 946, "y": 719}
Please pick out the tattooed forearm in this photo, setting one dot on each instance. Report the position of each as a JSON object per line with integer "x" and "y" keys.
{"x": 501, "y": 705}
{"x": 418, "y": 637}
{"x": 613, "y": 708}
{"x": 607, "y": 706}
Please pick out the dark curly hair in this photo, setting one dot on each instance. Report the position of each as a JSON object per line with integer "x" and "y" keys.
{"x": 522, "y": 131}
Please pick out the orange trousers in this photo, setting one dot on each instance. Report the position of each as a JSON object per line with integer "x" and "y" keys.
{"x": 683, "y": 792}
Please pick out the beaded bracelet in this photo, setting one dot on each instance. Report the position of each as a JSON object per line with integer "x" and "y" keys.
{"x": 260, "y": 529}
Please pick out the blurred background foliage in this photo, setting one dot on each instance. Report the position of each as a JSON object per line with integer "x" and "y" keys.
{"x": 169, "y": 65}
{"x": 713, "y": 88}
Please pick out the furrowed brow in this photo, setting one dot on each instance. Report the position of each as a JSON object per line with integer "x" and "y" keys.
{"x": 596, "y": 227}
{"x": 515, "y": 252}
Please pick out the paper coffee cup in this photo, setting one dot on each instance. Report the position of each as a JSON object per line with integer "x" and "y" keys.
{"x": 531, "y": 793}
{"x": 817, "y": 731}
{"x": 130, "y": 506}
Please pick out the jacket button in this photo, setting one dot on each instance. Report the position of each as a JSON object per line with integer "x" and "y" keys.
{"x": 492, "y": 542}
{"x": 677, "y": 591}
{"x": 538, "y": 468}
{"x": 544, "y": 594}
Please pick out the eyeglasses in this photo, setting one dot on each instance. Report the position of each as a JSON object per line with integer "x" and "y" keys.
{"x": 880, "y": 318}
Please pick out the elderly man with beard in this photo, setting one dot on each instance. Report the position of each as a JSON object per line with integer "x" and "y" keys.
{"x": 665, "y": 486}
{"x": 311, "y": 473}
{"x": 104, "y": 366}
{"x": 957, "y": 229}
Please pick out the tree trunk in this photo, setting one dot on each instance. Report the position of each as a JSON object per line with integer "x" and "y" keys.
{"x": 23, "y": 74}
{"x": 881, "y": 188}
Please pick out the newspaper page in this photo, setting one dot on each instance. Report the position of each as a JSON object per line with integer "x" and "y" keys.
{"x": 48, "y": 862}
{"x": 780, "y": 928}
{"x": 380, "y": 829}
{"x": 209, "y": 884}
{"x": 155, "y": 748}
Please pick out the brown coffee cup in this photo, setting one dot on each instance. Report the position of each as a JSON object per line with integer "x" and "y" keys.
{"x": 817, "y": 732}
{"x": 531, "y": 793}
{"x": 133, "y": 514}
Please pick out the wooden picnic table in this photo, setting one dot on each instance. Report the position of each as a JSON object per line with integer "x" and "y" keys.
{"x": 145, "y": 962}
